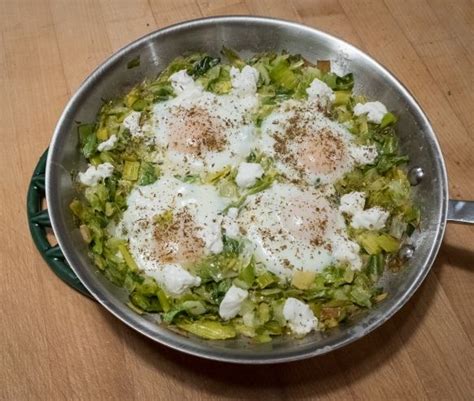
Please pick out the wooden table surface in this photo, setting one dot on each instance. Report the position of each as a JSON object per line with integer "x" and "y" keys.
{"x": 55, "y": 344}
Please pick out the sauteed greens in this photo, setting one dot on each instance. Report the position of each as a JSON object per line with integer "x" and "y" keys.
{"x": 229, "y": 289}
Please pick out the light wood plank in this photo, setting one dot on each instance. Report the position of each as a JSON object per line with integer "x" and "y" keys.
{"x": 172, "y": 12}
{"x": 443, "y": 55}
{"x": 275, "y": 9}
{"x": 328, "y": 16}
{"x": 451, "y": 69}
{"x": 223, "y": 7}
{"x": 32, "y": 78}
{"x": 82, "y": 38}
{"x": 55, "y": 344}
{"x": 455, "y": 273}
{"x": 127, "y": 20}
{"x": 420, "y": 25}
{"x": 385, "y": 351}
{"x": 17, "y": 339}
{"x": 458, "y": 18}
{"x": 449, "y": 350}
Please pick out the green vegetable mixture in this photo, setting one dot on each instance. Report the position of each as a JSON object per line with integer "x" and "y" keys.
{"x": 334, "y": 295}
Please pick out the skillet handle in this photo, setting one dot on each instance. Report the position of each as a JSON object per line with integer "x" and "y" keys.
{"x": 460, "y": 211}
{"x": 39, "y": 223}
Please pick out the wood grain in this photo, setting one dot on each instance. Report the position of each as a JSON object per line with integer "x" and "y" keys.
{"x": 56, "y": 345}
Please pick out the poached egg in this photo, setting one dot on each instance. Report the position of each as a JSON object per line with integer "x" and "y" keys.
{"x": 294, "y": 228}
{"x": 170, "y": 225}
{"x": 308, "y": 146}
{"x": 199, "y": 131}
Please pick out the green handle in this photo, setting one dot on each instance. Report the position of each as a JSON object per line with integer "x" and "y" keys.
{"x": 38, "y": 220}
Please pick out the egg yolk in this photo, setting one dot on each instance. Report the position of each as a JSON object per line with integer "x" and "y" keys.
{"x": 194, "y": 131}
{"x": 306, "y": 218}
{"x": 309, "y": 148}
{"x": 322, "y": 152}
{"x": 177, "y": 241}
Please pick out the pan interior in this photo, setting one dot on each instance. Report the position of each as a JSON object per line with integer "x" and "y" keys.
{"x": 249, "y": 35}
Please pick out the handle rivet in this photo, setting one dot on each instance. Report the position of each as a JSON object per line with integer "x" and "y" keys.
{"x": 415, "y": 175}
{"x": 406, "y": 252}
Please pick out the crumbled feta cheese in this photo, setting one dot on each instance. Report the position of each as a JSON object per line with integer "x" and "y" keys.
{"x": 132, "y": 122}
{"x": 212, "y": 236}
{"x": 184, "y": 85}
{"x": 248, "y": 174}
{"x": 363, "y": 154}
{"x": 345, "y": 250}
{"x": 108, "y": 144}
{"x": 352, "y": 203}
{"x": 175, "y": 279}
{"x": 233, "y": 212}
{"x": 374, "y": 110}
{"x": 320, "y": 92}
{"x": 372, "y": 219}
{"x": 229, "y": 224}
{"x": 230, "y": 305}
{"x": 215, "y": 245}
{"x": 230, "y": 227}
{"x": 94, "y": 174}
{"x": 299, "y": 316}
{"x": 244, "y": 82}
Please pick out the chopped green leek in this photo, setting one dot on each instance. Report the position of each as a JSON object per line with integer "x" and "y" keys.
{"x": 145, "y": 303}
{"x": 266, "y": 279}
{"x": 88, "y": 139}
{"x": 139, "y": 105}
{"x": 247, "y": 275}
{"x": 208, "y": 329}
{"x": 303, "y": 280}
{"x": 127, "y": 257}
{"x": 388, "y": 243}
{"x": 195, "y": 308}
{"x": 374, "y": 243}
{"x": 281, "y": 73}
{"x": 341, "y": 97}
{"x": 149, "y": 173}
{"x": 203, "y": 65}
{"x": 212, "y": 178}
{"x": 164, "y": 301}
{"x": 233, "y": 57}
{"x": 263, "y": 313}
{"x": 131, "y": 170}
{"x": 102, "y": 134}
{"x": 388, "y": 119}
{"x": 375, "y": 267}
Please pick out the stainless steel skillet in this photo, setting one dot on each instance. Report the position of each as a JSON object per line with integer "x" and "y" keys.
{"x": 252, "y": 35}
